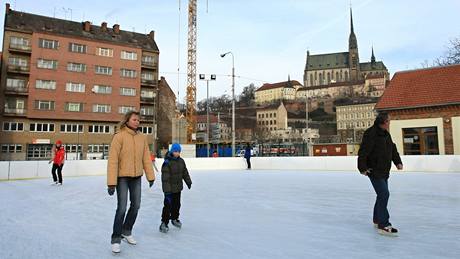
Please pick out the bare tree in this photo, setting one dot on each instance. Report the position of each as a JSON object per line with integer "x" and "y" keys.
{"x": 452, "y": 55}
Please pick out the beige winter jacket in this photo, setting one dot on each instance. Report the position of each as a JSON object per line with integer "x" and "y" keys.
{"x": 129, "y": 156}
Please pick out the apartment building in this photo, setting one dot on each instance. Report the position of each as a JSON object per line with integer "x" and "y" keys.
{"x": 72, "y": 81}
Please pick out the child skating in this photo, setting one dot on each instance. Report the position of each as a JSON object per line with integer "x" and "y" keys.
{"x": 173, "y": 172}
{"x": 58, "y": 162}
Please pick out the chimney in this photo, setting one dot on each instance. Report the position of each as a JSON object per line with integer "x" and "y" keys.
{"x": 116, "y": 28}
{"x": 104, "y": 26}
{"x": 7, "y": 9}
{"x": 152, "y": 35}
{"x": 87, "y": 26}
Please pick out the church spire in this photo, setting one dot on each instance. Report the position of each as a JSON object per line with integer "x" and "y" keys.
{"x": 351, "y": 22}
{"x": 372, "y": 56}
{"x": 352, "y": 42}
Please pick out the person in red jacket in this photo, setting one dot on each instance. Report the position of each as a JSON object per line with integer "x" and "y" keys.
{"x": 58, "y": 162}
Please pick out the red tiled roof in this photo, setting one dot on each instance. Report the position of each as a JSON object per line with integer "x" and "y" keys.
{"x": 422, "y": 88}
{"x": 285, "y": 84}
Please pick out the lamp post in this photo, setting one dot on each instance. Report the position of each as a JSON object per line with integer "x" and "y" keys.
{"x": 233, "y": 100}
{"x": 212, "y": 78}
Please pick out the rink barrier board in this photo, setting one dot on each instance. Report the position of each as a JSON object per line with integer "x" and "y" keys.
{"x": 10, "y": 170}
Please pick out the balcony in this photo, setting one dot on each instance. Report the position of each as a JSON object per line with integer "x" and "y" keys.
{"x": 16, "y": 90}
{"x": 148, "y": 100}
{"x": 148, "y": 82}
{"x": 20, "y": 48}
{"x": 18, "y": 69}
{"x": 146, "y": 117}
{"x": 14, "y": 112}
{"x": 149, "y": 65}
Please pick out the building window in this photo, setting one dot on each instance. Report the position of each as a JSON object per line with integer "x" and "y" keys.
{"x": 13, "y": 126}
{"x": 149, "y": 60}
{"x": 75, "y": 87}
{"x": 44, "y": 105}
{"x": 72, "y": 128}
{"x": 102, "y": 70}
{"x": 47, "y": 63}
{"x": 101, "y": 108}
{"x": 72, "y": 148}
{"x": 147, "y": 76}
{"x": 311, "y": 80}
{"x": 77, "y": 48}
{"x": 76, "y": 67}
{"x": 128, "y": 73}
{"x": 48, "y": 44}
{"x": 421, "y": 141}
{"x": 41, "y": 127}
{"x": 18, "y": 61}
{"x": 45, "y": 84}
{"x": 11, "y": 148}
{"x": 98, "y": 148}
{"x": 14, "y": 83}
{"x": 74, "y": 107}
{"x": 102, "y": 129}
{"x": 148, "y": 94}
{"x": 105, "y": 52}
{"x": 102, "y": 89}
{"x": 19, "y": 43}
{"x": 128, "y": 55}
{"x": 146, "y": 111}
{"x": 126, "y": 109}
{"x": 146, "y": 130}
{"x": 346, "y": 75}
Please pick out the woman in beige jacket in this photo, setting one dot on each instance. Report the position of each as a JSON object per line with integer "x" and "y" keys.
{"x": 129, "y": 157}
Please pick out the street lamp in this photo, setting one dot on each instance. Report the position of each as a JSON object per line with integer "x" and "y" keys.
{"x": 233, "y": 99}
{"x": 212, "y": 78}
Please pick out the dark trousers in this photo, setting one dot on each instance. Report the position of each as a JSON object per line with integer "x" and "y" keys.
{"x": 124, "y": 225}
{"x": 248, "y": 161}
{"x": 381, "y": 215}
{"x": 171, "y": 207}
{"x": 59, "y": 172}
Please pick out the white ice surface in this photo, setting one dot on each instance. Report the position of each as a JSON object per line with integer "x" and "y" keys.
{"x": 237, "y": 214}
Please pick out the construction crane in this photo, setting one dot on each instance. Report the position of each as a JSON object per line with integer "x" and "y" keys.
{"x": 191, "y": 71}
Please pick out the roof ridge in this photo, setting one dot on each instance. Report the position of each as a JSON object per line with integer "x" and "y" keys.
{"x": 426, "y": 68}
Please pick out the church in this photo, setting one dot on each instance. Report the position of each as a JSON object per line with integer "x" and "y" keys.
{"x": 326, "y": 69}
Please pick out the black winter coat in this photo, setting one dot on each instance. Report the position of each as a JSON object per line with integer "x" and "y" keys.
{"x": 173, "y": 171}
{"x": 377, "y": 151}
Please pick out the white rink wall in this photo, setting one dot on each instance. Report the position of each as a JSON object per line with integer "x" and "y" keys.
{"x": 10, "y": 170}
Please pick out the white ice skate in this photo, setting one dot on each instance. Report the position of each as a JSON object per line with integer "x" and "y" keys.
{"x": 116, "y": 248}
{"x": 129, "y": 239}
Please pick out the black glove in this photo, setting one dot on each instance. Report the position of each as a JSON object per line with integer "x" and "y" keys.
{"x": 367, "y": 172}
{"x": 151, "y": 183}
{"x": 189, "y": 186}
{"x": 111, "y": 190}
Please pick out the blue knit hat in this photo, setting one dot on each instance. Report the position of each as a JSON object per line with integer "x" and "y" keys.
{"x": 175, "y": 148}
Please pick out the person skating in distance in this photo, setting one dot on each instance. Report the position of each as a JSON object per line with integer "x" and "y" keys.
{"x": 58, "y": 162}
{"x": 173, "y": 172}
{"x": 129, "y": 157}
{"x": 375, "y": 155}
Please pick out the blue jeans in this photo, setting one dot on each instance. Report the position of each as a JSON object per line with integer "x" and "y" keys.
{"x": 381, "y": 215}
{"x": 124, "y": 225}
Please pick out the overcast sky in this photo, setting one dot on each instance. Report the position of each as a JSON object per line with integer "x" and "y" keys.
{"x": 270, "y": 38}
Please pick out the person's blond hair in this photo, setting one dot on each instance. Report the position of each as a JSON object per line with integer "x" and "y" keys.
{"x": 124, "y": 123}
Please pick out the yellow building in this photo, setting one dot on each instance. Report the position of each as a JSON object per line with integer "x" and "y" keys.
{"x": 269, "y": 93}
{"x": 354, "y": 118}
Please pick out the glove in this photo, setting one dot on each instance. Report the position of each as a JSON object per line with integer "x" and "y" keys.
{"x": 367, "y": 172}
{"x": 111, "y": 190}
{"x": 189, "y": 186}
{"x": 151, "y": 183}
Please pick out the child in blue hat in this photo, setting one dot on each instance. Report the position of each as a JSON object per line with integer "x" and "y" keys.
{"x": 173, "y": 173}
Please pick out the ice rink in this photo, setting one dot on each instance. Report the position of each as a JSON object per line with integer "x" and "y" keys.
{"x": 237, "y": 214}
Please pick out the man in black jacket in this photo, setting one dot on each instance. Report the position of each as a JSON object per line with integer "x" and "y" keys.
{"x": 375, "y": 155}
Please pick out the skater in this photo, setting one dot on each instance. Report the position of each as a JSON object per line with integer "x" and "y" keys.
{"x": 129, "y": 156}
{"x": 247, "y": 155}
{"x": 58, "y": 162}
{"x": 375, "y": 155}
{"x": 173, "y": 172}
{"x": 215, "y": 154}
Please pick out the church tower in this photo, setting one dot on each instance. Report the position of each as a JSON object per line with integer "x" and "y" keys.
{"x": 353, "y": 58}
